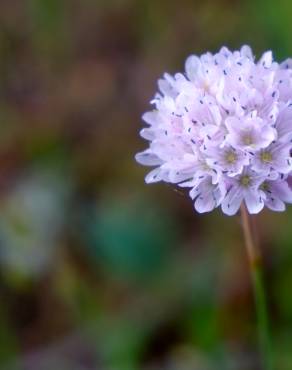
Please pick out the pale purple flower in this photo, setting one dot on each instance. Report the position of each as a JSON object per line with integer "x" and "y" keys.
{"x": 249, "y": 133}
{"x": 226, "y": 159}
{"x": 205, "y": 193}
{"x": 275, "y": 158}
{"x": 276, "y": 194}
{"x": 224, "y": 129}
{"x": 244, "y": 186}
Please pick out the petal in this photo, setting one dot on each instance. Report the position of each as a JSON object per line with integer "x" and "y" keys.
{"x": 190, "y": 183}
{"x": 253, "y": 200}
{"x": 282, "y": 190}
{"x": 268, "y": 134}
{"x": 233, "y": 124}
{"x": 153, "y": 176}
{"x": 150, "y": 117}
{"x": 205, "y": 202}
{"x": 283, "y": 165}
{"x": 275, "y": 204}
{"x": 232, "y": 201}
{"x": 147, "y": 133}
{"x": 179, "y": 176}
{"x": 167, "y": 85}
{"x": 192, "y": 66}
{"x": 225, "y": 51}
{"x": 194, "y": 192}
{"x": 284, "y": 122}
{"x": 216, "y": 115}
{"x": 148, "y": 159}
{"x": 246, "y": 51}
{"x": 286, "y": 63}
{"x": 266, "y": 59}
{"x": 166, "y": 88}
{"x": 219, "y": 192}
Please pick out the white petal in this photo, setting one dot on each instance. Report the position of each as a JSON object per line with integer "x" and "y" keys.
{"x": 266, "y": 59}
{"x": 268, "y": 134}
{"x": 194, "y": 192}
{"x": 205, "y": 202}
{"x": 150, "y": 117}
{"x": 216, "y": 114}
{"x": 246, "y": 52}
{"x": 189, "y": 184}
{"x": 153, "y": 176}
{"x": 282, "y": 190}
{"x": 192, "y": 66}
{"x": 283, "y": 165}
{"x": 233, "y": 124}
{"x": 225, "y": 51}
{"x": 178, "y": 176}
{"x": 254, "y": 202}
{"x": 286, "y": 63}
{"x": 147, "y": 133}
{"x": 232, "y": 201}
{"x": 148, "y": 159}
{"x": 275, "y": 204}
{"x": 166, "y": 86}
{"x": 283, "y": 123}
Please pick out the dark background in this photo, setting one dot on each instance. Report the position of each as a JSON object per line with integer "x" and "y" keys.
{"x": 98, "y": 270}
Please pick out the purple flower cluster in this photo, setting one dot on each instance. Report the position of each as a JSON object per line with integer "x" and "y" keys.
{"x": 224, "y": 129}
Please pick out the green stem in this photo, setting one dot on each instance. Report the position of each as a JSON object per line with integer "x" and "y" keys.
{"x": 255, "y": 263}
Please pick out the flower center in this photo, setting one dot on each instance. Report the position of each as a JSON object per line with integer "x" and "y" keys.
{"x": 265, "y": 186}
{"x": 245, "y": 180}
{"x": 266, "y": 157}
{"x": 206, "y": 86}
{"x": 204, "y": 166}
{"x": 230, "y": 157}
{"x": 247, "y": 139}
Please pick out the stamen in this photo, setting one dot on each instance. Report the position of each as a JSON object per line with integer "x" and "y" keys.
{"x": 266, "y": 156}
{"x": 230, "y": 157}
{"x": 265, "y": 187}
{"x": 245, "y": 180}
{"x": 247, "y": 139}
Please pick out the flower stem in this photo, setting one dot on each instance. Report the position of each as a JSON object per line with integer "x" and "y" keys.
{"x": 255, "y": 264}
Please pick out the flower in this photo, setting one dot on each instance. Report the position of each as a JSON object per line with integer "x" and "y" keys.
{"x": 224, "y": 130}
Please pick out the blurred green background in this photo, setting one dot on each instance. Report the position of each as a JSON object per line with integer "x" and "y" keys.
{"x": 98, "y": 270}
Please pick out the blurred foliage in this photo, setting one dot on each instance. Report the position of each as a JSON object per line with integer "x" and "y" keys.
{"x": 126, "y": 241}
{"x": 98, "y": 270}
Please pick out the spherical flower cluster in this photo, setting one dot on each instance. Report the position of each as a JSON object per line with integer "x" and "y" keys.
{"x": 224, "y": 129}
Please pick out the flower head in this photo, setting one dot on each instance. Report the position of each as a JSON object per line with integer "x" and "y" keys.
{"x": 224, "y": 129}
